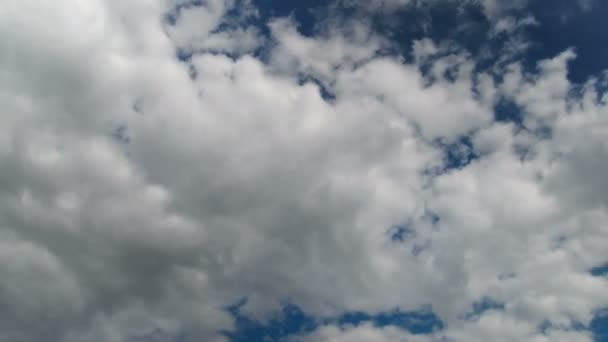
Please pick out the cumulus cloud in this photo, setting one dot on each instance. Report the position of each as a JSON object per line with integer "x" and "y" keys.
{"x": 144, "y": 191}
{"x": 362, "y": 333}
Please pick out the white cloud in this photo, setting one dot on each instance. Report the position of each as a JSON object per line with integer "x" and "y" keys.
{"x": 500, "y": 327}
{"x": 245, "y": 182}
{"x": 363, "y": 333}
{"x": 194, "y": 29}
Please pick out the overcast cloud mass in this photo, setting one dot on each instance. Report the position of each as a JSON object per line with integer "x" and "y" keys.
{"x": 177, "y": 170}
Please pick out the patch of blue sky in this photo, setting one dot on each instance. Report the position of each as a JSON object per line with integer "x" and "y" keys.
{"x": 401, "y": 233}
{"x": 416, "y": 322}
{"x": 599, "y": 326}
{"x": 458, "y": 154}
{"x": 304, "y": 13}
{"x": 482, "y": 306}
{"x": 508, "y": 111}
{"x": 600, "y": 271}
{"x": 564, "y": 24}
{"x": 293, "y": 321}
{"x": 546, "y": 326}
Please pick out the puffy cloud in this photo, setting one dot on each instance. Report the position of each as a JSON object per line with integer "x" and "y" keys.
{"x": 493, "y": 326}
{"x": 143, "y": 195}
{"x": 362, "y": 333}
{"x": 500, "y": 327}
{"x": 193, "y": 27}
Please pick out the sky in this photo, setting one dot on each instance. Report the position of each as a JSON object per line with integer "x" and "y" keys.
{"x": 338, "y": 170}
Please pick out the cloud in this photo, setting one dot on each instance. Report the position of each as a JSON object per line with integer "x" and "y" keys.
{"x": 143, "y": 193}
{"x": 194, "y": 27}
{"x": 365, "y": 332}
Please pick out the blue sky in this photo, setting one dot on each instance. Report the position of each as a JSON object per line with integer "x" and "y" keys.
{"x": 267, "y": 170}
